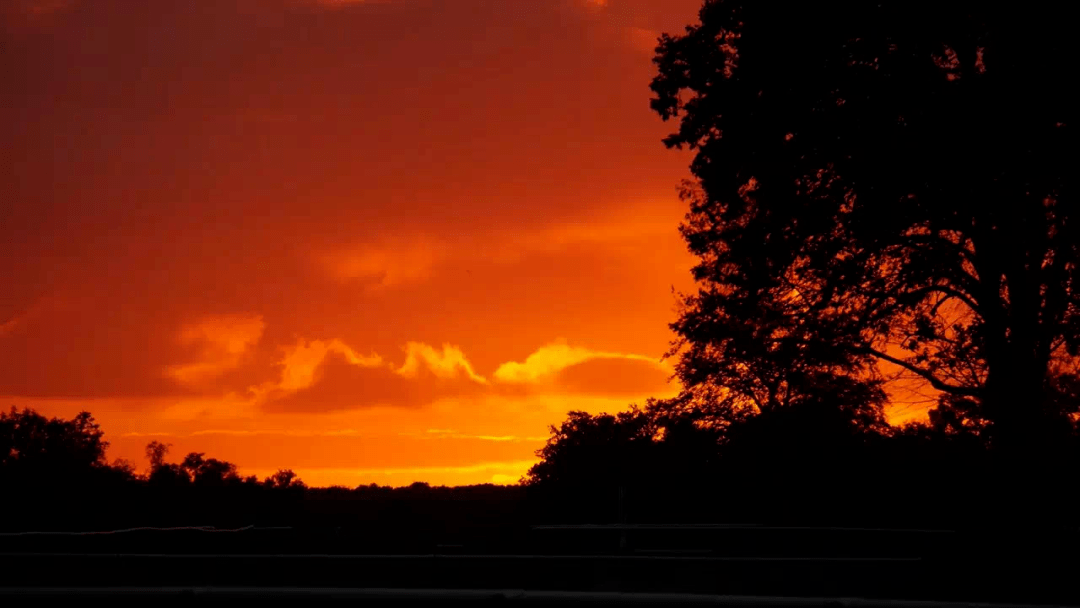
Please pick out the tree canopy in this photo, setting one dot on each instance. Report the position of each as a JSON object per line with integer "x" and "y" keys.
{"x": 31, "y": 444}
{"x": 879, "y": 187}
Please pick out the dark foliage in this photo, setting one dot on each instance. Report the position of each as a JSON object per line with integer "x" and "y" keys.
{"x": 880, "y": 185}
{"x": 55, "y": 478}
{"x": 806, "y": 464}
{"x": 71, "y": 452}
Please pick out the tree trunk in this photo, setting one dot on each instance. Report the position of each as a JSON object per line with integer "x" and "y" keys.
{"x": 1015, "y": 398}
{"x": 1023, "y": 441}
{"x": 1010, "y": 405}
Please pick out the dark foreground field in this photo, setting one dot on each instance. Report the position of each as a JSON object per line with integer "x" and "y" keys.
{"x": 707, "y": 564}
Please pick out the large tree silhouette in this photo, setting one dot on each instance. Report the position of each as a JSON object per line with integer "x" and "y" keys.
{"x": 879, "y": 184}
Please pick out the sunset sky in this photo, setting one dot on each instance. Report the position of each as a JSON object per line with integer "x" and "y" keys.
{"x": 373, "y": 241}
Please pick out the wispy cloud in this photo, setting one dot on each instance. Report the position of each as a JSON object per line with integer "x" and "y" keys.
{"x": 555, "y": 357}
{"x": 411, "y": 258}
{"x": 562, "y": 369}
{"x": 383, "y": 265}
{"x": 329, "y": 375}
{"x": 447, "y": 364}
{"x": 449, "y": 434}
{"x": 221, "y": 340}
{"x": 251, "y": 433}
{"x": 300, "y": 362}
{"x": 142, "y": 434}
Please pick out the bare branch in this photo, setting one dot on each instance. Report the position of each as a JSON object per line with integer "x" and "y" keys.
{"x": 934, "y": 381}
{"x": 950, "y": 293}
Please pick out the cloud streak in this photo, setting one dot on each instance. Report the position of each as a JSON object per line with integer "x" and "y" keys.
{"x": 300, "y": 363}
{"x": 451, "y": 434}
{"x": 380, "y": 266}
{"x": 414, "y": 258}
{"x": 322, "y": 376}
{"x": 251, "y": 433}
{"x": 328, "y": 376}
{"x": 553, "y": 358}
{"x": 448, "y": 364}
{"x": 221, "y": 341}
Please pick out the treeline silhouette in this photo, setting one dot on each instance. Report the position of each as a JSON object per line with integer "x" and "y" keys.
{"x": 810, "y": 464}
{"x": 805, "y": 465}
{"x": 810, "y": 467}
{"x": 56, "y": 477}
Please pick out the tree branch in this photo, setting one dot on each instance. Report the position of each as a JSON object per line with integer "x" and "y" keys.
{"x": 950, "y": 293}
{"x": 956, "y": 273}
{"x": 934, "y": 381}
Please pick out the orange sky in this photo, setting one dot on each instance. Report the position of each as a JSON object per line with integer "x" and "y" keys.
{"x": 370, "y": 240}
